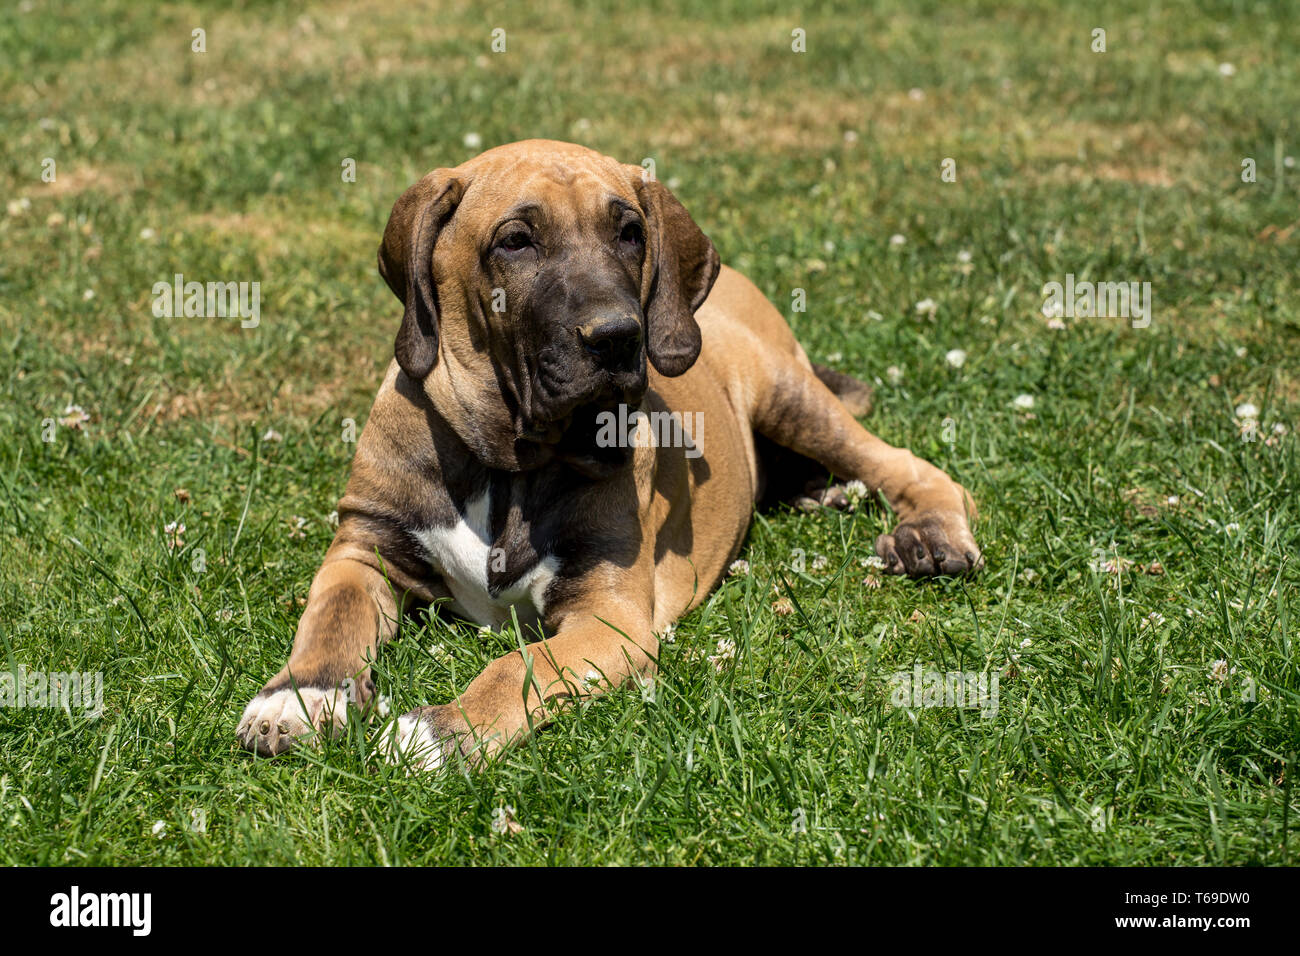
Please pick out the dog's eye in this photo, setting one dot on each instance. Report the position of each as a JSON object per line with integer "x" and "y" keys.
{"x": 516, "y": 241}
{"x": 632, "y": 234}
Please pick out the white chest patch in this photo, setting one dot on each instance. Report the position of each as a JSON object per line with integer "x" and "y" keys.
{"x": 463, "y": 555}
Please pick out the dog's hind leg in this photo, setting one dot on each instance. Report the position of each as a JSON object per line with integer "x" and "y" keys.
{"x": 797, "y": 410}
{"x": 805, "y": 483}
{"x": 856, "y": 395}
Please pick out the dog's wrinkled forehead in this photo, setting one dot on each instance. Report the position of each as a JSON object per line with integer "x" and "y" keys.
{"x": 568, "y": 184}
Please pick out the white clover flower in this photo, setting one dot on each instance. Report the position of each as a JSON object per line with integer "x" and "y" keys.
{"x": 875, "y": 316}
{"x": 1056, "y": 325}
{"x": 726, "y": 655}
{"x": 88, "y": 294}
{"x": 927, "y": 307}
{"x": 850, "y": 136}
{"x": 1231, "y": 527}
{"x": 855, "y": 491}
{"x": 875, "y": 562}
{"x": 739, "y": 566}
{"x": 1023, "y": 401}
{"x": 74, "y": 417}
{"x": 146, "y": 234}
{"x": 16, "y": 207}
{"x": 472, "y": 141}
{"x": 1053, "y": 310}
{"x": 669, "y": 634}
{"x": 1115, "y": 565}
{"x": 1026, "y": 642}
{"x": 1227, "y": 69}
{"x": 916, "y": 94}
{"x": 173, "y": 531}
{"x": 818, "y": 562}
{"x": 272, "y": 435}
{"x": 835, "y": 357}
{"x": 1219, "y": 671}
{"x": 504, "y": 822}
{"x": 955, "y": 358}
{"x": 894, "y": 375}
{"x": 963, "y": 256}
{"x": 1240, "y": 351}
{"x": 159, "y": 829}
{"x": 1247, "y": 410}
{"x": 897, "y": 239}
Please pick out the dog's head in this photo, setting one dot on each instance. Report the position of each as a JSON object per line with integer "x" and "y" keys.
{"x": 538, "y": 279}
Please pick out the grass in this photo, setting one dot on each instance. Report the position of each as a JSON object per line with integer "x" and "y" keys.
{"x": 1112, "y": 743}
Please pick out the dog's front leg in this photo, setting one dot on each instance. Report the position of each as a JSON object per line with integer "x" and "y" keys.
{"x": 601, "y": 642}
{"x": 351, "y": 609}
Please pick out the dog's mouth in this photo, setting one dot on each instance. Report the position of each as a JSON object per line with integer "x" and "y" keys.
{"x": 586, "y": 444}
{"x": 557, "y": 420}
{"x": 586, "y": 438}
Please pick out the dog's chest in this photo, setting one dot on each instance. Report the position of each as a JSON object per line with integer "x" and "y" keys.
{"x": 487, "y": 575}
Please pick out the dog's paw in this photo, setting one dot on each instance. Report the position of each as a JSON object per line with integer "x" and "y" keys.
{"x": 929, "y": 544}
{"x": 414, "y": 741}
{"x": 277, "y": 720}
{"x": 819, "y": 495}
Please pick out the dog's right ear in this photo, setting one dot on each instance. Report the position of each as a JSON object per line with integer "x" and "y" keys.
{"x": 406, "y": 263}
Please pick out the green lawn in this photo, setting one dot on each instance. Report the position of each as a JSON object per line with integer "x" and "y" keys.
{"x": 1118, "y": 739}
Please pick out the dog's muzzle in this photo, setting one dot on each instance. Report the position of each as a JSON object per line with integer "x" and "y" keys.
{"x": 595, "y": 367}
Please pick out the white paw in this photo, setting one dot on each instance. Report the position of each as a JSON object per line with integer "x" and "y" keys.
{"x": 410, "y": 741}
{"x": 273, "y": 722}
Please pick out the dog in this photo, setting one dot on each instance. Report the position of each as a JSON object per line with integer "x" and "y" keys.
{"x": 552, "y": 295}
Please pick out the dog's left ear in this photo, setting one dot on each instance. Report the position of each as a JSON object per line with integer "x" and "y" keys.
{"x": 406, "y": 263}
{"x": 683, "y": 266}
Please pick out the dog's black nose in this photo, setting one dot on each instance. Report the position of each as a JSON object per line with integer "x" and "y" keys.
{"x": 613, "y": 343}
